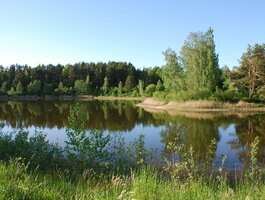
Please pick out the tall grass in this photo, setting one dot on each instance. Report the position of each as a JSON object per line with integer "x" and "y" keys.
{"x": 145, "y": 183}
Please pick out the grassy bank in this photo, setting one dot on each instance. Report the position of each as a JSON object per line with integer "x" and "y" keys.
{"x": 30, "y": 168}
{"x": 146, "y": 183}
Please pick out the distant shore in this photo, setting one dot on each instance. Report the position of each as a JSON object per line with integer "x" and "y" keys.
{"x": 63, "y": 98}
{"x": 153, "y": 105}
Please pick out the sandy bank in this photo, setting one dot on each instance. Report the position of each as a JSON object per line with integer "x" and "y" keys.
{"x": 154, "y": 105}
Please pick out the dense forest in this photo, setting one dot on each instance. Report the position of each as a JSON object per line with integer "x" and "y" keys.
{"x": 193, "y": 74}
{"x": 113, "y": 78}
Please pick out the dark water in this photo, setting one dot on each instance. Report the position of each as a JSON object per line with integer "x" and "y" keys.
{"x": 233, "y": 132}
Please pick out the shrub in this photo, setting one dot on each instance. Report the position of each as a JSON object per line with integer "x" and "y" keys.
{"x": 61, "y": 90}
{"x": 226, "y": 95}
{"x": 35, "y": 150}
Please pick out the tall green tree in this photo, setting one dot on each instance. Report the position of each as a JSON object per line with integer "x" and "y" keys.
{"x": 172, "y": 73}
{"x": 105, "y": 86}
{"x": 120, "y": 88}
{"x": 88, "y": 85}
{"x": 200, "y": 62}
{"x": 250, "y": 75}
{"x": 129, "y": 82}
{"x": 20, "y": 88}
{"x": 141, "y": 87}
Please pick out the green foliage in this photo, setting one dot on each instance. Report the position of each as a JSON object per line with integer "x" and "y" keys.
{"x": 120, "y": 86}
{"x": 150, "y": 89}
{"x": 80, "y": 87}
{"x": 88, "y": 85}
{"x": 254, "y": 172}
{"x": 34, "y": 87}
{"x": 114, "y": 91}
{"x": 85, "y": 149}
{"x": 61, "y": 90}
{"x": 4, "y": 87}
{"x": 191, "y": 75}
{"x": 200, "y": 62}
{"x": 226, "y": 82}
{"x": 129, "y": 83}
{"x": 92, "y": 73}
{"x": 105, "y": 86}
{"x": 12, "y": 91}
{"x": 141, "y": 88}
{"x": 225, "y": 95}
{"x": 34, "y": 150}
{"x": 138, "y": 152}
{"x": 250, "y": 75}
{"x": 19, "y": 88}
{"x": 146, "y": 182}
{"x": 159, "y": 86}
{"x": 172, "y": 73}
{"x": 48, "y": 89}
{"x": 135, "y": 93}
{"x": 261, "y": 93}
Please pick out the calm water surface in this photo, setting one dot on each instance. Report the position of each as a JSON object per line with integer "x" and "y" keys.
{"x": 232, "y": 132}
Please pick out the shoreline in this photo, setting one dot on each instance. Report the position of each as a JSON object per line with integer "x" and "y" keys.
{"x": 153, "y": 105}
{"x": 64, "y": 98}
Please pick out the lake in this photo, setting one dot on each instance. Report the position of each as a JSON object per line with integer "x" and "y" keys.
{"x": 233, "y": 132}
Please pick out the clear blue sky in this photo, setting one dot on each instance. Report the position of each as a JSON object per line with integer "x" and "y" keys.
{"x": 136, "y": 31}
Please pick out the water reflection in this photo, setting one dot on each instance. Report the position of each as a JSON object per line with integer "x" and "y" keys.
{"x": 233, "y": 132}
{"x": 102, "y": 115}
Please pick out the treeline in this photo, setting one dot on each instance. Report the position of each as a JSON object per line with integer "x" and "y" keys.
{"x": 113, "y": 78}
{"x": 194, "y": 74}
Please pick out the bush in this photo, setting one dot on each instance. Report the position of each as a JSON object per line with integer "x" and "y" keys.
{"x": 35, "y": 150}
{"x": 61, "y": 90}
{"x": 226, "y": 95}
